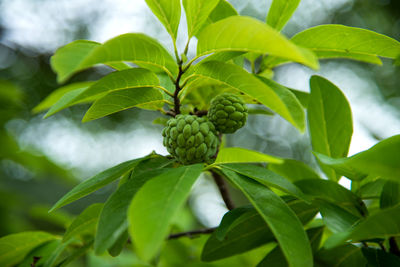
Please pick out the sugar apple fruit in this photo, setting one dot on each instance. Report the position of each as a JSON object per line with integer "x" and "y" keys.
{"x": 190, "y": 139}
{"x": 227, "y": 112}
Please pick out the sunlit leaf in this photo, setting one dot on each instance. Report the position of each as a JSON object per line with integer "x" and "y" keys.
{"x": 237, "y": 155}
{"x": 96, "y": 182}
{"x": 14, "y": 247}
{"x": 291, "y": 236}
{"x": 267, "y": 177}
{"x": 268, "y": 93}
{"x": 380, "y": 160}
{"x": 113, "y": 218}
{"x": 329, "y": 120}
{"x": 197, "y": 12}
{"x": 155, "y": 204}
{"x": 239, "y": 33}
{"x": 57, "y": 94}
{"x": 85, "y": 223}
{"x": 223, "y": 10}
{"x": 280, "y": 12}
{"x": 119, "y": 80}
{"x": 168, "y": 12}
{"x": 123, "y": 99}
{"x": 294, "y": 170}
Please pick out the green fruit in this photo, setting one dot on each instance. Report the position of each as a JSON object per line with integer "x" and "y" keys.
{"x": 190, "y": 139}
{"x": 227, "y": 112}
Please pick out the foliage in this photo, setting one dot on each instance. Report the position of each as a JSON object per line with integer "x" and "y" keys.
{"x": 285, "y": 195}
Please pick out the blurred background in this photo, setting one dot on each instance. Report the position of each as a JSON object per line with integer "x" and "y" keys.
{"x": 40, "y": 160}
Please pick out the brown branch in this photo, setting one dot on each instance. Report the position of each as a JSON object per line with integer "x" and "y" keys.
{"x": 191, "y": 234}
{"x": 223, "y": 189}
{"x": 177, "y": 102}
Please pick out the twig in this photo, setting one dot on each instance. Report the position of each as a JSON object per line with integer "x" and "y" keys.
{"x": 223, "y": 189}
{"x": 191, "y": 234}
{"x": 177, "y": 102}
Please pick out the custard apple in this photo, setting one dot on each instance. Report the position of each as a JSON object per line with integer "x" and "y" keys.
{"x": 190, "y": 139}
{"x": 227, "y": 112}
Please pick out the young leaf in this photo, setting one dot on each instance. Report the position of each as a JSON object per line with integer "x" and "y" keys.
{"x": 96, "y": 182}
{"x": 332, "y": 192}
{"x": 168, "y": 12}
{"x": 197, "y": 12}
{"x": 390, "y": 194}
{"x": 131, "y": 47}
{"x": 14, "y": 247}
{"x": 112, "y": 222}
{"x": 223, "y": 10}
{"x": 238, "y": 33}
{"x": 380, "y": 160}
{"x": 237, "y": 154}
{"x": 273, "y": 96}
{"x": 339, "y": 41}
{"x": 57, "y": 94}
{"x": 266, "y": 177}
{"x": 280, "y": 12}
{"x": 329, "y": 121}
{"x": 291, "y": 235}
{"x": 294, "y": 170}
{"x": 121, "y": 100}
{"x": 248, "y": 231}
{"x": 85, "y": 223}
{"x": 382, "y": 224}
{"x": 118, "y": 80}
{"x": 157, "y": 202}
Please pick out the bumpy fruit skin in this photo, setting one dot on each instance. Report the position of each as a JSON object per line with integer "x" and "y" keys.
{"x": 227, "y": 112}
{"x": 190, "y": 139}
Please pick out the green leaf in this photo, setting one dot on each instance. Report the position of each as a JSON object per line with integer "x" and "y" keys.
{"x": 123, "y": 99}
{"x": 239, "y": 33}
{"x": 390, "y": 194}
{"x": 380, "y": 160}
{"x": 118, "y": 80}
{"x": 45, "y": 251}
{"x": 157, "y": 202}
{"x": 237, "y": 154}
{"x": 229, "y": 218}
{"x": 336, "y": 218}
{"x": 96, "y": 182}
{"x": 332, "y": 192}
{"x": 339, "y": 41}
{"x": 55, "y": 255}
{"x": 280, "y": 12}
{"x": 382, "y": 224}
{"x": 168, "y": 12}
{"x": 113, "y": 218}
{"x": 223, "y": 10}
{"x": 130, "y": 47}
{"x": 248, "y": 231}
{"x": 268, "y": 93}
{"x": 276, "y": 257}
{"x": 329, "y": 120}
{"x": 260, "y": 111}
{"x": 294, "y": 170}
{"x": 14, "y": 247}
{"x": 197, "y": 13}
{"x": 344, "y": 256}
{"x": 57, "y": 94}
{"x": 66, "y": 60}
{"x": 119, "y": 244}
{"x": 85, "y": 223}
{"x": 290, "y": 235}
{"x": 380, "y": 258}
{"x": 266, "y": 177}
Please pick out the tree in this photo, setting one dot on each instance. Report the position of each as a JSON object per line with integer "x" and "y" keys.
{"x": 285, "y": 194}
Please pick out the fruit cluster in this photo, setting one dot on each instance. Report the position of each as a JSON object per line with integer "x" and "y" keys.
{"x": 191, "y": 139}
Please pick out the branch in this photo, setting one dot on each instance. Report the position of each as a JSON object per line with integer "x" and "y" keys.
{"x": 177, "y": 102}
{"x": 223, "y": 189}
{"x": 191, "y": 234}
